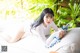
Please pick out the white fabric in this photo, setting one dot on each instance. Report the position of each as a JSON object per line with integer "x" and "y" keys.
{"x": 43, "y": 31}
{"x": 70, "y": 43}
{"x": 32, "y": 44}
{"x": 50, "y": 39}
{"x": 9, "y": 29}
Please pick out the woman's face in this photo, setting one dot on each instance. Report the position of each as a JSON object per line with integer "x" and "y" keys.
{"x": 48, "y": 18}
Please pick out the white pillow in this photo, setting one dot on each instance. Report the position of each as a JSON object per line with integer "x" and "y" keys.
{"x": 72, "y": 38}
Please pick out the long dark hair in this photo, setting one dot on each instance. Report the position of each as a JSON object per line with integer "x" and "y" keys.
{"x": 40, "y": 19}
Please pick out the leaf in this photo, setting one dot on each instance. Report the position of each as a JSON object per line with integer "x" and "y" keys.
{"x": 7, "y": 12}
{"x": 75, "y": 10}
{"x": 63, "y": 11}
{"x": 64, "y": 21}
{"x": 78, "y": 19}
{"x": 71, "y": 23}
{"x": 74, "y": 25}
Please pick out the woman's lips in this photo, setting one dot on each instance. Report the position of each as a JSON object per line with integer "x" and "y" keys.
{"x": 48, "y": 22}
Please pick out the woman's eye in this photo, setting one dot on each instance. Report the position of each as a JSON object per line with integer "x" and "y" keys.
{"x": 46, "y": 16}
{"x": 51, "y": 16}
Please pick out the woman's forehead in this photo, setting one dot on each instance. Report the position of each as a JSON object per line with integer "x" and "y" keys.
{"x": 48, "y": 14}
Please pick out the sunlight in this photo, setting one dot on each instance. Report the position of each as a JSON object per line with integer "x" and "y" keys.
{"x": 12, "y": 9}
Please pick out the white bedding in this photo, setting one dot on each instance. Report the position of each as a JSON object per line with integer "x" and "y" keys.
{"x": 33, "y": 44}
{"x": 30, "y": 44}
{"x": 70, "y": 43}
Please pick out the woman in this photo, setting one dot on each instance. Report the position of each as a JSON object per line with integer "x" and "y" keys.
{"x": 43, "y": 24}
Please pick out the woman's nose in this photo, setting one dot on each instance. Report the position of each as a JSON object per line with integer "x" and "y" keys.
{"x": 49, "y": 19}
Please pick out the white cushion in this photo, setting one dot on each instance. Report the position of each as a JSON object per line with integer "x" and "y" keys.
{"x": 70, "y": 41}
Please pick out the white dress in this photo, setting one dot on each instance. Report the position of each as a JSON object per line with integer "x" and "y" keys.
{"x": 45, "y": 31}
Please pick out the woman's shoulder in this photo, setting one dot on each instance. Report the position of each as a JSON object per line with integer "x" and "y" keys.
{"x": 40, "y": 26}
{"x": 52, "y": 23}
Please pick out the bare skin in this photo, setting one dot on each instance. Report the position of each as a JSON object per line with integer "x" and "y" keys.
{"x": 61, "y": 34}
{"x": 53, "y": 52}
{"x": 18, "y": 36}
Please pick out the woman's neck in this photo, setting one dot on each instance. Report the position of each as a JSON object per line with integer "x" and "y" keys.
{"x": 44, "y": 24}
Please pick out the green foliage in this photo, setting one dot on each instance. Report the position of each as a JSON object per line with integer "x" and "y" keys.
{"x": 69, "y": 15}
{"x": 78, "y": 19}
{"x": 63, "y": 15}
{"x": 75, "y": 10}
{"x": 62, "y": 22}
{"x": 31, "y": 9}
{"x": 64, "y": 12}
{"x": 8, "y": 12}
{"x": 36, "y": 6}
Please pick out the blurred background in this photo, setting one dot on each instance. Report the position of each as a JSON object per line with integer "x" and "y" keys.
{"x": 66, "y": 11}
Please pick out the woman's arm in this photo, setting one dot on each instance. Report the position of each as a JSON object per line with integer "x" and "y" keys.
{"x": 61, "y": 33}
{"x": 40, "y": 31}
{"x": 54, "y": 26}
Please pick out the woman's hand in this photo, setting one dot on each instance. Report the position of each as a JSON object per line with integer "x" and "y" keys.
{"x": 62, "y": 33}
